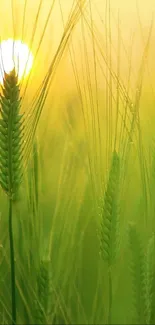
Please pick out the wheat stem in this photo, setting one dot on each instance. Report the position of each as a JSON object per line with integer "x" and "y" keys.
{"x": 12, "y": 262}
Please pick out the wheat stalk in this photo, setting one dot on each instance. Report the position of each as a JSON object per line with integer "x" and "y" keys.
{"x": 11, "y": 156}
{"x": 109, "y": 223}
{"x": 138, "y": 273}
{"x": 10, "y": 136}
{"x": 43, "y": 293}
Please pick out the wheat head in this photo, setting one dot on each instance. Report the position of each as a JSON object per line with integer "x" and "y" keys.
{"x": 11, "y": 136}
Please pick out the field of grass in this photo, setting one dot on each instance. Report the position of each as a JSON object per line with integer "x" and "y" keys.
{"x": 77, "y": 165}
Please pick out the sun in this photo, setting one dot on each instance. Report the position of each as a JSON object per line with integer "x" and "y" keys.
{"x": 14, "y": 54}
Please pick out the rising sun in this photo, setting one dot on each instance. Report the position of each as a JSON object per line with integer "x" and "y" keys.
{"x": 15, "y": 55}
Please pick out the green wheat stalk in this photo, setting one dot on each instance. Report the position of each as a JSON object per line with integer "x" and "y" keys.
{"x": 140, "y": 286}
{"x": 109, "y": 223}
{"x": 11, "y": 137}
{"x": 43, "y": 293}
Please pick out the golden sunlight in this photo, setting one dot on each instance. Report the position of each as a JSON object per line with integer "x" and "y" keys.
{"x": 15, "y": 54}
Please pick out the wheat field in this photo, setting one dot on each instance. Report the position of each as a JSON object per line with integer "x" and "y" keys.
{"x": 77, "y": 162}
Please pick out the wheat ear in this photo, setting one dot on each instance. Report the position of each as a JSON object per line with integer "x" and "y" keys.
{"x": 109, "y": 223}
{"x": 10, "y": 157}
{"x": 43, "y": 293}
{"x": 138, "y": 273}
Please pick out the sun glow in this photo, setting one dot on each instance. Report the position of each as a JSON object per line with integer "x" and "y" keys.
{"x": 15, "y": 54}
